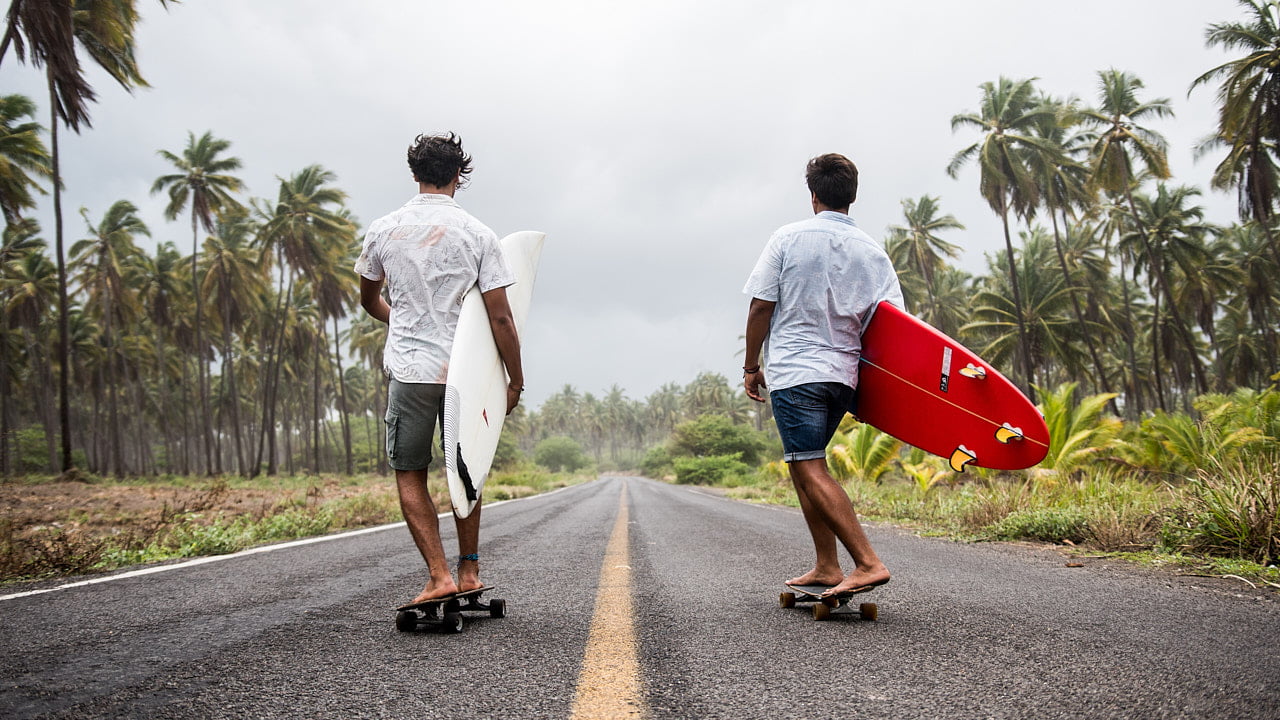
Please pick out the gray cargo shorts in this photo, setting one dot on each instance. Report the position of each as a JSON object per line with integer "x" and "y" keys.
{"x": 412, "y": 412}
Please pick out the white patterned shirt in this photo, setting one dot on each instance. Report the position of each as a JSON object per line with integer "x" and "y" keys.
{"x": 430, "y": 252}
{"x": 826, "y": 276}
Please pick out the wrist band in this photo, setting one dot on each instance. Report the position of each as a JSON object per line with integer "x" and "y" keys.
{"x": 749, "y": 370}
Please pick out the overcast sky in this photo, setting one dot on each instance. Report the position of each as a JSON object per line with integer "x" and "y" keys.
{"x": 658, "y": 143}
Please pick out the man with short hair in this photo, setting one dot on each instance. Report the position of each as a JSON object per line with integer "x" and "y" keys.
{"x": 813, "y": 291}
{"x": 428, "y": 254}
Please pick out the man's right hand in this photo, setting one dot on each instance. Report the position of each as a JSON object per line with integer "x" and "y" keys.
{"x": 753, "y": 382}
{"x": 513, "y": 397}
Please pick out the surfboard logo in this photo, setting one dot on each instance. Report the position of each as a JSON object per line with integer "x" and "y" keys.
{"x": 484, "y": 414}
{"x": 945, "y": 380}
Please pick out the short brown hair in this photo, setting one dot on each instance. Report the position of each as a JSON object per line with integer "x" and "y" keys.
{"x": 833, "y": 178}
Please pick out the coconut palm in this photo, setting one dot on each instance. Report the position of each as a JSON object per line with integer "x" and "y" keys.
{"x": 1249, "y": 110}
{"x": 918, "y": 241}
{"x": 24, "y": 159}
{"x": 301, "y": 229}
{"x": 203, "y": 184}
{"x": 21, "y": 238}
{"x": 49, "y": 33}
{"x": 233, "y": 278}
{"x": 1009, "y": 111}
{"x": 31, "y": 291}
{"x": 1120, "y": 138}
{"x": 103, "y": 260}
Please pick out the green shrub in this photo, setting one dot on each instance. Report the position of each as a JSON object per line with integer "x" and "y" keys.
{"x": 716, "y": 435}
{"x": 1048, "y": 524}
{"x": 657, "y": 462}
{"x": 708, "y": 470}
{"x": 560, "y": 453}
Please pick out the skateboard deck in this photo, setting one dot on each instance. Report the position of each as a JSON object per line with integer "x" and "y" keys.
{"x": 446, "y": 613}
{"x": 825, "y": 607}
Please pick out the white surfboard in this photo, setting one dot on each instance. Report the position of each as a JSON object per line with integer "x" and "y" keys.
{"x": 475, "y": 394}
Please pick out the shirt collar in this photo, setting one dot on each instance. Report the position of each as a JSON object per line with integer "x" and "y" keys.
{"x": 837, "y": 216}
{"x": 432, "y": 199}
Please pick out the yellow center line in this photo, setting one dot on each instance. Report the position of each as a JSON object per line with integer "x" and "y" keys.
{"x": 609, "y": 685}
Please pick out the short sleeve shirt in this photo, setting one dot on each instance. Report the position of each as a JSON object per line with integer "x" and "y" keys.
{"x": 826, "y": 276}
{"x": 430, "y": 252}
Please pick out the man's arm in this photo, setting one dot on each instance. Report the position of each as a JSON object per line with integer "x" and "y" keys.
{"x": 508, "y": 342}
{"x": 759, "y": 314}
{"x": 372, "y": 301}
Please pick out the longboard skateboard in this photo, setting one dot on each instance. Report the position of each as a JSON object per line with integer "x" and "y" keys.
{"x": 446, "y": 613}
{"x": 825, "y": 607}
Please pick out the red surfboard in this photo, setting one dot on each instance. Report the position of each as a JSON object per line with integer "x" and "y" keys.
{"x": 928, "y": 390}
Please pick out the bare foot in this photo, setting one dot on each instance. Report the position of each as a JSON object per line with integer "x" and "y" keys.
{"x": 818, "y": 577}
{"x": 469, "y": 575}
{"x": 435, "y": 591}
{"x": 864, "y": 578}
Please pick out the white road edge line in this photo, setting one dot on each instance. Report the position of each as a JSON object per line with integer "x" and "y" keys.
{"x": 243, "y": 553}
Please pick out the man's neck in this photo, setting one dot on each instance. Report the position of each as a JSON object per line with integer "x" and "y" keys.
{"x": 428, "y": 189}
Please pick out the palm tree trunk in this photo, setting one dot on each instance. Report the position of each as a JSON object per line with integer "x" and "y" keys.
{"x": 1202, "y": 383}
{"x": 1028, "y": 373}
{"x": 343, "y": 415}
{"x": 6, "y": 426}
{"x": 229, "y": 373}
{"x": 1075, "y": 304}
{"x": 315, "y": 398}
{"x": 64, "y": 326}
{"x": 202, "y": 380}
{"x": 1157, "y": 374}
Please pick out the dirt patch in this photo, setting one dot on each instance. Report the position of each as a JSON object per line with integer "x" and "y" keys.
{"x": 101, "y": 510}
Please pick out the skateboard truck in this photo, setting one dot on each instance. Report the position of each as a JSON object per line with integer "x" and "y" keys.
{"x": 824, "y": 607}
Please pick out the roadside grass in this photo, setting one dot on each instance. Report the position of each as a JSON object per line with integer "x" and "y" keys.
{"x": 1200, "y": 527}
{"x": 197, "y": 516}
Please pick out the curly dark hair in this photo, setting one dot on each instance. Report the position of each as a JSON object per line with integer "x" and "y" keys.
{"x": 834, "y": 179}
{"x": 437, "y": 159}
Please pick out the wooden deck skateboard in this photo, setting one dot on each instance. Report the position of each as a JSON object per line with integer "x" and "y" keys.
{"x": 826, "y": 607}
{"x": 446, "y": 613}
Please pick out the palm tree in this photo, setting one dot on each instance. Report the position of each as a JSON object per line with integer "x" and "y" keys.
{"x": 22, "y": 156}
{"x": 31, "y": 287}
{"x": 103, "y": 258}
{"x": 918, "y": 239}
{"x": 1121, "y": 137}
{"x": 20, "y": 239}
{"x": 160, "y": 291}
{"x": 234, "y": 279}
{"x": 203, "y": 182}
{"x": 49, "y": 33}
{"x": 1249, "y": 112}
{"x": 303, "y": 226}
{"x": 1009, "y": 111}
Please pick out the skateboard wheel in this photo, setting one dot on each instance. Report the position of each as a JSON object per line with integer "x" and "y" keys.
{"x": 452, "y": 606}
{"x": 821, "y": 611}
{"x": 868, "y": 611}
{"x": 831, "y": 602}
{"x": 497, "y": 608}
{"x": 406, "y": 621}
{"x": 453, "y": 622}
{"x": 787, "y": 599}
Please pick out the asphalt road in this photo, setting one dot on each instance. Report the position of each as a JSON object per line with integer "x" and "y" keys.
{"x": 965, "y": 631}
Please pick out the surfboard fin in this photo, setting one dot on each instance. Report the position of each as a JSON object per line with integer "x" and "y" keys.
{"x": 1007, "y": 433}
{"x": 973, "y": 371}
{"x": 465, "y": 477}
{"x": 961, "y": 457}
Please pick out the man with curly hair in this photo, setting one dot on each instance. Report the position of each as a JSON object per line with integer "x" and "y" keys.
{"x": 813, "y": 291}
{"x": 428, "y": 254}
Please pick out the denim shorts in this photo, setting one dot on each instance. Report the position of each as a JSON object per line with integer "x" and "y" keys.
{"x": 807, "y": 417}
{"x": 412, "y": 412}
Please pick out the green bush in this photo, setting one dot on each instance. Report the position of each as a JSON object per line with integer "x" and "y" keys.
{"x": 560, "y": 453}
{"x": 657, "y": 462}
{"x": 708, "y": 470}
{"x": 716, "y": 435}
{"x": 1047, "y": 524}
